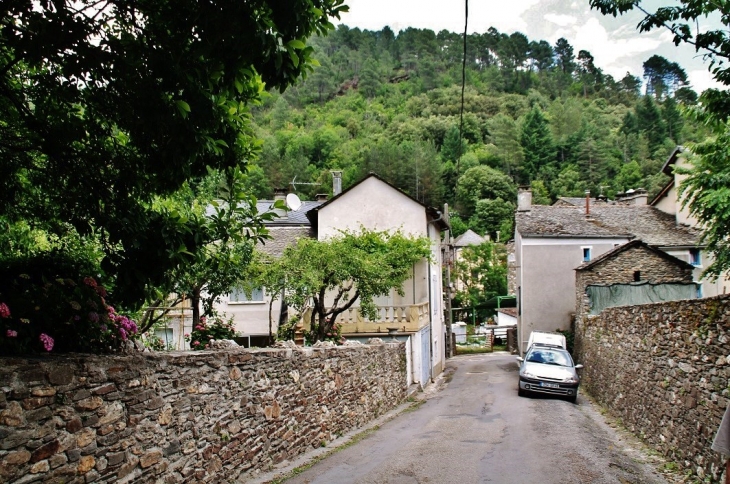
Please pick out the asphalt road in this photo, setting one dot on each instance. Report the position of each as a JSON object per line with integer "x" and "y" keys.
{"x": 476, "y": 429}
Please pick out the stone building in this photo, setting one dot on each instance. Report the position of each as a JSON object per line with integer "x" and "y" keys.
{"x": 629, "y": 265}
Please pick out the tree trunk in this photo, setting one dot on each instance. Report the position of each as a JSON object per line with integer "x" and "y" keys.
{"x": 195, "y": 303}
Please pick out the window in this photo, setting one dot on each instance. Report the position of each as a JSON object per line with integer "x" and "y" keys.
{"x": 637, "y": 276}
{"x": 699, "y": 291}
{"x": 586, "y": 254}
{"x": 246, "y": 295}
{"x": 695, "y": 258}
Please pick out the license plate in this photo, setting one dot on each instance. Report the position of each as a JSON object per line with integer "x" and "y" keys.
{"x": 549, "y": 385}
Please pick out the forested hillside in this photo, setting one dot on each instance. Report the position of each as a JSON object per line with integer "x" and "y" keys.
{"x": 534, "y": 114}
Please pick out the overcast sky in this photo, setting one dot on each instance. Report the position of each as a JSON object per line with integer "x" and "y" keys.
{"x": 615, "y": 43}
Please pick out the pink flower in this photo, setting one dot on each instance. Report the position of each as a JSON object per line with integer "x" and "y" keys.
{"x": 187, "y": 335}
{"x": 11, "y": 334}
{"x": 93, "y": 317}
{"x": 196, "y": 343}
{"x": 89, "y": 281}
{"x": 47, "y": 341}
{"x": 4, "y": 310}
{"x": 199, "y": 327}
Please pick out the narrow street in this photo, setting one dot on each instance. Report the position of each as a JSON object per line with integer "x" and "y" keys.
{"x": 477, "y": 430}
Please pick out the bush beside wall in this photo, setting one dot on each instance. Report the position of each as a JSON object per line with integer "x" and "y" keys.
{"x": 210, "y": 416}
{"x": 664, "y": 370}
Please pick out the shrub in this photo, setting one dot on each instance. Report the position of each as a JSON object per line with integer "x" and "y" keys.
{"x": 214, "y": 327}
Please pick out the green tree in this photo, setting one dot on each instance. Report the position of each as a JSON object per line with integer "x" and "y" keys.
{"x": 354, "y": 267}
{"x": 537, "y": 144}
{"x": 492, "y": 216}
{"x": 104, "y": 107}
{"x": 479, "y": 183}
{"x": 540, "y": 194}
{"x": 650, "y": 122}
{"x": 481, "y": 274}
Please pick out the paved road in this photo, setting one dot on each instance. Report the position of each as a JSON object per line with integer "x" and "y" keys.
{"x": 477, "y": 430}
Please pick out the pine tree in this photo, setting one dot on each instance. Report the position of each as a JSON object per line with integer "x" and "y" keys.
{"x": 538, "y": 146}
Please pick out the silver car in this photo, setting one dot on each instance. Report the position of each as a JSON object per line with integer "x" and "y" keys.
{"x": 549, "y": 369}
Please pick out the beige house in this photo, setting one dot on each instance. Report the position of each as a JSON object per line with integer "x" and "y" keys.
{"x": 372, "y": 204}
{"x": 668, "y": 201}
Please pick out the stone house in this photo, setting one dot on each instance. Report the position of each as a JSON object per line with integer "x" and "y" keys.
{"x": 551, "y": 241}
{"x": 631, "y": 266}
{"x": 373, "y": 204}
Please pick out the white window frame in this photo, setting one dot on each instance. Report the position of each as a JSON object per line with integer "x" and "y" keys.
{"x": 242, "y": 293}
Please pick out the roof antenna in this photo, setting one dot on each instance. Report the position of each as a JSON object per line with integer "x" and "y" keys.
{"x": 294, "y": 183}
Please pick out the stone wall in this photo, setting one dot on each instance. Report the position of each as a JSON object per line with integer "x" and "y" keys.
{"x": 664, "y": 370}
{"x": 186, "y": 417}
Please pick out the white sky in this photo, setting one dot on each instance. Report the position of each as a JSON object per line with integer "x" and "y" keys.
{"x": 615, "y": 43}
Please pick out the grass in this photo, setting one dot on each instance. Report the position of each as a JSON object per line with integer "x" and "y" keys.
{"x": 470, "y": 350}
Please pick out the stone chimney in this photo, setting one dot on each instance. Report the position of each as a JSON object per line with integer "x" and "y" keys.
{"x": 641, "y": 197}
{"x": 524, "y": 199}
{"x": 336, "y": 183}
{"x": 633, "y": 197}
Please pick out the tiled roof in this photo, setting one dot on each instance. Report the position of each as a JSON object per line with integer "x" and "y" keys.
{"x": 469, "y": 238}
{"x": 508, "y": 311}
{"x": 644, "y": 222}
{"x": 298, "y": 217}
{"x": 282, "y": 237}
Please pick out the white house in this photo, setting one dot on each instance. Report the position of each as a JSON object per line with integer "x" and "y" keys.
{"x": 372, "y": 204}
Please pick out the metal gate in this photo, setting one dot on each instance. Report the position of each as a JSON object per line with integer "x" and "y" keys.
{"x": 425, "y": 376}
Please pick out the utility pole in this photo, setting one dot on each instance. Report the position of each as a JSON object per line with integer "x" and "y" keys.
{"x": 448, "y": 260}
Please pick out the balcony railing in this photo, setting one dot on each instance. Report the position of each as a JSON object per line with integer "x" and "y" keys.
{"x": 404, "y": 317}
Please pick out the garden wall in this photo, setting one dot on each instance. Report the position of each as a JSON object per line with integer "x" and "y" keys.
{"x": 186, "y": 416}
{"x": 664, "y": 370}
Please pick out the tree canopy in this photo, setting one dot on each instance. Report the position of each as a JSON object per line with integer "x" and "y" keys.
{"x": 105, "y": 106}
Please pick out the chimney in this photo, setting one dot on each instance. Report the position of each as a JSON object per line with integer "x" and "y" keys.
{"x": 336, "y": 183}
{"x": 321, "y": 197}
{"x": 641, "y": 197}
{"x": 524, "y": 199}
{"x": 588, "y": 202}
{"x": 280, "y": 194}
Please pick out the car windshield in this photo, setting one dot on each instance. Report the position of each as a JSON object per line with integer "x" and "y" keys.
{"x": 549, "y": 356}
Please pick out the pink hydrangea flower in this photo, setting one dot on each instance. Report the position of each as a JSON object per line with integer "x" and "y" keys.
{"x": 89, "y": 281}
{"x": 47, "y": 341}
{"x": 196, "y": 343}
{"x": 11, "y": 334}
{"x": 4, "y": 310}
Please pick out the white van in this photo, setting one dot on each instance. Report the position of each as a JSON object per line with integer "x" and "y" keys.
{"x": 546, "y": 338}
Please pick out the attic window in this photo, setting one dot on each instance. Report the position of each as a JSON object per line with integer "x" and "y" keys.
{"x": 695, "y": 258}
{"x": 637, "y": 276}
{"x": 586, "y": 254}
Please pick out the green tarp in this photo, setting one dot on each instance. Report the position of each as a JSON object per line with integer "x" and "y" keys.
{"x": 603, "y": 297}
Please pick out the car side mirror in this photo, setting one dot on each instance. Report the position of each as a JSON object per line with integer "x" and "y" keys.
{"x": 520, "y": 359}
{"x": 578, "y": 367}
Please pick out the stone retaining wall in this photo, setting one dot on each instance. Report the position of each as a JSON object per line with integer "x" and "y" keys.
{"x": 186, "y": 417}
{"x": 664, "y": 370}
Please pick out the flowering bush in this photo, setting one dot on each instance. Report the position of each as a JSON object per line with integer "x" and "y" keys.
{"x": 214, "y": 328}
{"x": 38, "y": 314}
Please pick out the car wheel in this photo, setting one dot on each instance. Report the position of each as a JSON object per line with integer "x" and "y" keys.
{"x": 573, "y": 399}
{"x": 521, "y": 392}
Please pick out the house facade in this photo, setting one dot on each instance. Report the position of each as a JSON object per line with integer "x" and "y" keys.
{"x": 552, "y": 241}
{"x": 669, "y": 201}
{"x": 418, "y": 315}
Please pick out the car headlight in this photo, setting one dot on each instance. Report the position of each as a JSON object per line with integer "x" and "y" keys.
{"x": 527, "y": 374}
{"x": 571, "y": 379}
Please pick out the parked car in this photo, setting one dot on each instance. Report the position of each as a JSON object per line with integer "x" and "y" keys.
{"x": 548, "y": 369}
{"x": 546, "y": 338}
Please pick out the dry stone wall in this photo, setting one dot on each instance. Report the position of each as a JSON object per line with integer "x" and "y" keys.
{"x": 186, "y": 417}
{"x": 664, "y": 370}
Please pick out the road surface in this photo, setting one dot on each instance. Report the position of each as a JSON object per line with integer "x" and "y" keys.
{"x": 477, "y": 430}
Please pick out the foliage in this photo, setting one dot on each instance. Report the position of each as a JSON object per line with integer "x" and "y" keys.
{"x": 45, "y": 308}
{"x": 330, "y": 276}
{"x": 481, "y": 272}
{"x": 207, "y": 329}
{"x": 106, "y": 106}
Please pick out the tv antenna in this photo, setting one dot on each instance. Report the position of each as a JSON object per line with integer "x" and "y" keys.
{"x": 294, "y": 183}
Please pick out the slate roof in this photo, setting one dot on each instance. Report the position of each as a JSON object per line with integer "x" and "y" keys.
{"x": 298, "y": 217}
{"x": 282, "y": 237}
{"x": 469, "y": 238}
{"x": 644, "y": 222}
{"x": 636, "y": 243}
